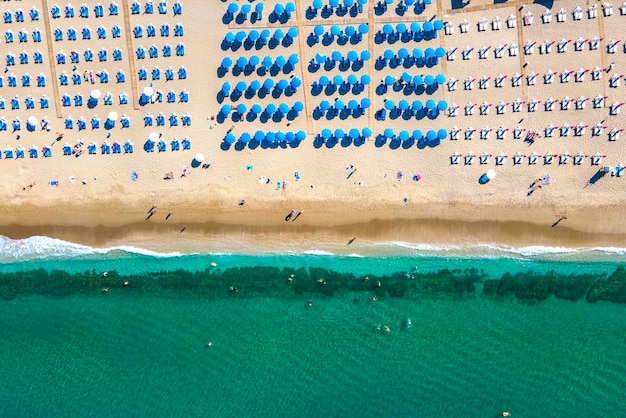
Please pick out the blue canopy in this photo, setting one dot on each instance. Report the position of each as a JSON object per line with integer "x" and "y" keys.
{"x": 300, "y": 135}
{"x": 290, "y": 136}
{"x": 403, "y": 104}
{"x": 338, "y": 80}
{"x": 298, "y": 106}
{"x": 430, "y": 104}
{"x": 290, "y": 7}
{"x": 401, "y": 28}
{"x": 365, "y": 79}
{"x": 367, "y": 132}
{"x": 333, "y": 3}
{"x": 387, "y": 29}
{"x": 259, "y": 8}
{"x": 403, "y": 53}
{"x": 256, "y": 108}
{"x": 352, "y": 56}
{"x": 389, "y": 105}
{"x": 324, "y": 105}
{"x": 270, "y": 109}
{"x": 282, "y": 84}
{"x": 365, "y": 103}
{"x": 241, "y": 35}
{"x": 363, "y": 28}
{"x": 255, "y": 85}
{"x": 431, "y": 135}
{"x": 348, "y": 3}
{"x": 245, "y": 137}
{"x": 415, "y": 27}
{"x": 429, "y": 80}
{"x": 418, "y": 53}
{"x": 241, "y": 86}
{"x": 226, "y": 88}
{"x": 229, "y": 37}
{"x": 279, "y": 34}
{"x": 428, "y": 26}
{"x": 227, "y": 62}
{"x": 279, "y": 9}
{"x": 418, "y": 80}
{"x": 354, "y": 133}
{"x": 340, "y": 105}
{"x": 365, "y": 55}
{"x": 283, "y": 108}
{"x": 440, "y": 52}
{"x": 280, "y": 136}
{"x": 417, "y": 105}
{"x": 404, "y": 135}
{"x": 270, "y": 136}
{"x": 389, "y": 133}
{"x": 353, "y": 104}
{"x": 390, "y": 80}
{"x": 254, "y": 34}
{"x": 335, "y": 30}
{"x": 339, "y": 133}
{"x": 293, "y": 59}
{"x": 389, "y": 54}
{"x": 241, "y": 108}
{"x": 326, "y": 133}
{"x": 267, "y": 62}
{"x": 417, "y": 135}
{"x": 259, "y": 136}
{"x": 324, "y": 81}
{"x": 232, "y": 8}
{"x": 429, "y": 52}
{"x": 318, "y": 30}
{"x": 226, "y": 109}
{"x": 440, "y": 79}
{"x": 230, "y": 138}
{"x": 438, "y": 24}
{"x": 442, "y": 134}
{"x": 265, "y": 33}
{"x": 245, "y": 9}
{"x": 442, "y": 105}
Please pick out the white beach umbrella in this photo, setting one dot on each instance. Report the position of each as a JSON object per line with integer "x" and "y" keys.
{"x": 153, "y": 136}
{"x": 96, "y": 94}
{"x": 148, "y": 91}
{"x": 32, "y": 121}
{"x": 491, "y": 174}
{"x": 113, "y": 116}
{"x": 199, "y": 157}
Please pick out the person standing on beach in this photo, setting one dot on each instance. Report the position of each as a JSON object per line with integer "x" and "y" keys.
{"x": 290, "y": 215}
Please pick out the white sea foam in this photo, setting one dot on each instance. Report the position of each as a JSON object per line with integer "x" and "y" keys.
{"x": 318, "y": 252}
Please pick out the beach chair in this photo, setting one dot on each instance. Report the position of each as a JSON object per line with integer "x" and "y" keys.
{"x": 171, "y": 96}
{"x": 34, "y": 13}
{"x": 137, "y": 31}
{"x": 8, "y": 152}
{"x": 128, "y": 147}
{"x": 484, "y": 133}
{"x": 123, "y": 98}
{"x": 517, "y": 132}
{"x": 186, "y": 119}
{"x": 597, "y": 129}
{"x": 149, "y": 8}
{"x": 167, "y": 50}
{"x": 33, "y": 152}
{"x": 26, "y": 80}
{"x": 117, "y": 54}
{"x": 184, "y": 96}
{"x": 116, "y": 32}
{"x": 29, "y": 102}
{"x": 464, "y": 26}
{"x": 596, "y": 159}
{"x": 78, "y": 99}
{"x": 92, "y": 148}
{"x": 175, "y": 145}
{"x": 135, "y": 8}
{"x": 95, "y": 123}
{"x": 511, "y": 22}
{"x": 105, "y": 148}
{"x": 469, "y": 109}
{"x": 150, "y": 31}
{"x": 517, "y": 158}
{"x": 182, "y": 73}
{"x": 467, "y": 53}
{"x": 36, "y": 35}
{"x": 180, "y": 50}
{"x": 162, "y": 147}
{"x": 177, "y": 8}
{"x": 469, "y": 158}
{"x": 179, "y": 30}
{"x": 186, "y": 144}
{"x": 453, "y": 110}
{"x": 125, "y": 122}
{"x": 98, "y": 11}
{"x": 67, "y": 150}
{"x": 532, "y": 158}
{"x": 113, "y": 9}
{"x": 83, "y": 11}
{"x": 116, "y": 147}
{"x": 81, "y": 123}
{"x": 165, "y": 30}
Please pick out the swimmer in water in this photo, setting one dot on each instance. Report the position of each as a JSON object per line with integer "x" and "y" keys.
{"x": 105, "y": 274}
{"x": 105, "y": 290}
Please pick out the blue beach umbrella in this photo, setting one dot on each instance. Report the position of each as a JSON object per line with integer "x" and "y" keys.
{"x": 430, "y": 104}
{"x": 279, "y": 9}
{"x": 253, "y": 61}
{"x": 363, "y": 28}
{"x": 241, "y": 108}
{"x": 348, "y": 3}
{"x": 270, "y": 109}
{"x": 365, "y": 103}
{"x": 230, "y": 138}
{"x": 442, "y": 105}
{"x": 429, "y": 80}
{"x": 270, "y": 137}
{"x": 245, "y": 137}
{"x": 354, "y": 133}
{"x": 280, "y": 61}
{"x": 267, "y": 62}
{"x": 403, "y": 104}
{"x": 259, "y": 8}
{"x": 404, "y": 136}
{"x": 403, "y": 53}
{"x": 389, "y": 133}
{"x": 340, "y": 105}
{"x": 431, "y": 135}
{"x": 440, "y": 52}
{"x": 389, "y": 54}
{"x": 318, "y": 30}
{"x": 389, "y": 1}
{"x": 293, "y": 59}
{"x": 317, "y": 4}
{"x": 428, "y": 26}
{"x": 268, "y": 83}
{"x": 232, "y": 8}
{"x": 429, "y": 52}
{"x": 390, "y": 80}
{"x": 406, "y": 77}
{"x": 352, "y": 80}
{"x": 254, "y": 34}
{"x": 400, "y": 28}
{"x": 339, "y": 133}
{"x": 283, "y": 108}
{"x": 365, "y": 79}
{"x": 320, "y": 58}
{"x": 295, "y": 83}
{"x": 256, "y": 108}
{"x": 298, "y": 106}
{"x": 324, "y": 105}
{"x": 387, "y": 29}
{"x": 324, "y": 81}
{"x": 338, "y": 80}
{"x": 242, "y": 62}
{"x": 226, "y": 109}
{"x": 241, "y": 86}
{"x": 390, "y": 105}
{"x": 226, "y": 87}
{"x": 280, "y": 136}
{"x": 279, "y": 34}
{"x": 352, "y": 56}
{"x": 418, "y": 53}
{"x": 440, "y": 79}
{"x": 336, "y": 56}
{"x": 409, "y": 2}
{"x": 365, "y": 55}
{"x": 417, "y": 135}
{"x": 415, "y": 27}
{"x": 333, "y": 3}
{"x": 265, "y": 34}
{"x": 418, "y": 80}
{"x": 367, "y": 132}
{"x": 417, "y": 105}
{"x": 335, "y": 30}
{"x": 326, "y": 133}
{"x": 300, "y": 135}
{"x": 245, "y": 9}
{"x": 292, "y": 32}
{"x": 227, "y": 62}
{"x": 353, "y": 104}
{"x": 362, "y": 2}
{"x": 282, "y": 84}
{"x": 350, "y": 31}
{"x": 230, "y": 37}
{"x": 259, "y": 136}
{"x": 241, "y": 35}
{"x": 290, "y": 136}
{"x": 438, "y": 24}
{"x": 442, "y": 134}
{"x": 290, "y": 7}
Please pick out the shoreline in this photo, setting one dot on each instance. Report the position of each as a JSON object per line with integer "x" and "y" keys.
{"x": 324, "y": 228}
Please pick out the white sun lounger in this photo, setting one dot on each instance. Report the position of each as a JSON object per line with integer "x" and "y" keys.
{"x": 596, "y": 74}
{"x": 614, "y": 134}
{"x": 501, "y": 133}
{"x": 622, "y": 9}
{"x": 532, "y": 158}
{"x": 607, "y": 9}
{"x": 615, "y": 108}
{"x": 448, "y": 29}
{"x": 484, "y": 158}
{"x": 469, "y": 158}
{"x": 484, "y": 133}
{"x": 484, "y": 109}
{"x": 464, "y": 26}
{"x": 496, "y": 23}
{"x": 548, "y": 158}
{"x": 579, "y": 158}
{"x": 614, "y": 81}
{"x": 498, "y": 82}
{"x": 565, "y": 130}
{"x": 561, "y": 16}
{"x": 596, "y": 159}
{"x": 517, "y": 158}
{"x": 469, "y": 109}
{"x": 549, "y": 131}
{"x": 454, "y": 158}
{"x": 517, "y": 132}
{"x": 592, "y": 12}
{"x": 546, "y": 17}
{"x": 564, "y": 158}
{"x": 500, "y": 159}
{"x": 577, "y": 13}
{"x": 501, "y": 108}
{"x": 511, "y": 22}
{"x": 482, "y": 25}
{"x": 561, "y": 47}
{"x": 469, "y": 133}
{"x": 565, "y": 103}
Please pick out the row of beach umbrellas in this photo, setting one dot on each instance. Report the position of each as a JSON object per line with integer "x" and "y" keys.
{"x": 335, "y": 30}
{"x": 413, "y": 28}
{"x": 339, "y": 104}
{"x": 431, "y": 135}
{"x": 267, "y": 62}
{"x": 257, "y": 109}
{"x": 333, "y": 4}
{"x": 335, "y": 56}
{"x": 418, "y": 80}
{"x": 263, "y": 35}
{"x": 417, "y": 105}
{"x": 268, "y": 84}
{"x": 338, "y": 80}
{"x": 340, "y": 134}
{"x": 279, "y": 9}
{"x": 418, "y": 53}
{"x": 270, "y": 137}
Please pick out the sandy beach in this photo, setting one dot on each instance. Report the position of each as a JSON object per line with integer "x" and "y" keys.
{"x": 407, "y": 191}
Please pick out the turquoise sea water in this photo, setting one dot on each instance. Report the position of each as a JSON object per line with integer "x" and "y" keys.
{"x": 134, "y": 352}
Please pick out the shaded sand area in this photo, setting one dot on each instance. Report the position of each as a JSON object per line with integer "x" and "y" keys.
{"x": 506, "y": 101}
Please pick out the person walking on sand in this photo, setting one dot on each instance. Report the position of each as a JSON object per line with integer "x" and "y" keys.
{"x": 351, "y": 241}
{"x": 297, "y": 216}
{"x": 168, "y": 215}
{"x": 290, "y": 215}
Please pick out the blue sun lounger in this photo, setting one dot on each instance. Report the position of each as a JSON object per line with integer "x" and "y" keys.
{"x": 175, "y": 145}
{"x": 161, "y": 146}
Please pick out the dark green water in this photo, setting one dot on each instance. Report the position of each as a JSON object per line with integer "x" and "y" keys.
{"x": 139, "y": 353}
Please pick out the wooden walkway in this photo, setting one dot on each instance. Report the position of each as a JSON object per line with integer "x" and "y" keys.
{"x": 131, "y": 54}
{"x": 51, "y": 62}
{"x": 308, "y": 107}
{"x": 522, "y": 60}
